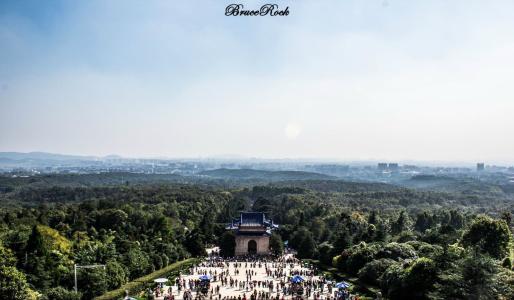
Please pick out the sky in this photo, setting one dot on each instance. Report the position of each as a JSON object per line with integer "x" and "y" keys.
{"x": 343, "y": 80}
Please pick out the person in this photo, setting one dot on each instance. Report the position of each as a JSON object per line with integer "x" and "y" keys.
{"x": 149, "y": 294}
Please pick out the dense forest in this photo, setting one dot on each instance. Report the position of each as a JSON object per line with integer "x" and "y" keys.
{"x": 451, "y": 243}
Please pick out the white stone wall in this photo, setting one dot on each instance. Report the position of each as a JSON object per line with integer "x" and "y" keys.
{"x": 242, "y": 244}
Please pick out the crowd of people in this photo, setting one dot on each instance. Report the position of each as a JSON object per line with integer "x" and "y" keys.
{"x": 252, "y": 278}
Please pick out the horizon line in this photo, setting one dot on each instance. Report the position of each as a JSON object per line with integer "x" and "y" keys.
{"x": 240, "y": 157}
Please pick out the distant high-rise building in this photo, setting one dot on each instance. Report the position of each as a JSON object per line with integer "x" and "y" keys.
{"x": 480, "y": 167}
{"x": 382, "y": 166}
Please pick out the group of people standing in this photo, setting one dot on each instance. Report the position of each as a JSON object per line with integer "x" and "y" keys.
{"x": 255, "y": 278}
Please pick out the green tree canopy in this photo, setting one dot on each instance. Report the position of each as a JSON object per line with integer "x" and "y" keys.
{"x": 491, "y": 236}
{"x": 276, "y": 244}
{"x": 227, "y": 244}
{"x": 13, "y": 284}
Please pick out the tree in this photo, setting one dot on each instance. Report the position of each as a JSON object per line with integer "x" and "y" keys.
{"x": 381, "y": 232}
{"x": 206, "y": 227}
{"x": 420, "y": 277}
{"x": 13, "y": 284}
{"x": 396, "y": 251}
{"x": 457, "y": 219}
{"x": 276, "y": 244}
{"x": 195, "y": 244}
{"x": 373, "y": 217}
{"x": 303, "y": 242}
{"x": 301, "y": 222}
{"x": 137, "y": 262}
{"x": 491, "y": 236}
{"x": 227, "y": 244}
{"x": 116, "y": 274}
{"x": 307, "y": 247}
{"x": 423, "y": 222}
{"x": 507, "y": 217}
{"x": 401, "y": 223}
{"x": 93, "y": 282}
{"x": 111, "y": 218}
{"x": 35, "y": 243}
{"x": 474, "y": 276}
{"x": 6, "y": 257}
{"x": 372, "y": 271}
{"x": 478, "y": 276}
{"x": 326, "y": 253}
{"x": 409, "y": 281}
{"x": 60, "y": 293}
{"x": 391, "y": 281}
{"x": 297, "y": 237}
{"x": 317, "y": 227}
{"x": 342, "y": 241}
{"x": 358, "y": 255}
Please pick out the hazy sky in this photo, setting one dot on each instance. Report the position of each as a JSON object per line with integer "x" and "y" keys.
{"x": 368, "y": 79}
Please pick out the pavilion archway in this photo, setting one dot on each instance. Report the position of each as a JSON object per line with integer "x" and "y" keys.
{"x": 252, "y": 247}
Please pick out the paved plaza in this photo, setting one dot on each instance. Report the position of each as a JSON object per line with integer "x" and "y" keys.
{"x": 250, "y": 279}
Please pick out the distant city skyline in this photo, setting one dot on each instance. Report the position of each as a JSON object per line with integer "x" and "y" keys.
{"x": 372, "y": 80}
{"x": 242, "y": 159}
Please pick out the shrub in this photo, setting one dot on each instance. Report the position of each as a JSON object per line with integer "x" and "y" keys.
{"x": 372, "y": 271}
{"x": 326, "y": 251}
{"x": 60, "y": 293}
{"x": 492, "y": 236}
{"x": 397, "y": 251}
{"x": 13, "y": 284}
{"x": 357, "y": 256}
{"x": 413, "y": 280}
{"x": 430, "y": 251}
{"x": 406, "y": 236}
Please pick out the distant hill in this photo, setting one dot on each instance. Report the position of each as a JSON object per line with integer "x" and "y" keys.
{"x": 450, "y": 184}
{"x": 247, "y": 174}
{"x": 85, "y": 180}
{"x": 338, "y": 186}
{"x": 42, "y": 156}
{"x": 429, "y": 181}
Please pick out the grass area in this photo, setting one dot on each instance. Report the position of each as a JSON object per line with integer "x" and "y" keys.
{"x": 139, "y": 284}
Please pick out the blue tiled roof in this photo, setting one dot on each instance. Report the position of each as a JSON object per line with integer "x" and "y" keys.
{"x": 252, "y": 218}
